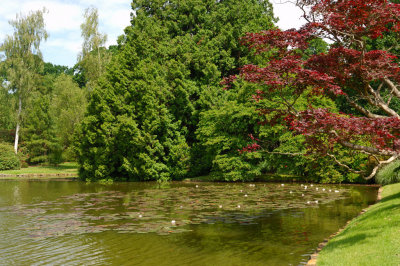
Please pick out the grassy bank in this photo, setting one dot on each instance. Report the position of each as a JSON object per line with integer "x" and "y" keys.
{"x": 372, "y": 238}
{"x": 64, "y": 169}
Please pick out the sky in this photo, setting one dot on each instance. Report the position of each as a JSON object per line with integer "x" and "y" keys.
{"x": 64, "y": 18}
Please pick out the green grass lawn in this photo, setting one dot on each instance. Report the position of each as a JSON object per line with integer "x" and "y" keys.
{"x": 372, "y": 238}
{"x": 64, "y": 168}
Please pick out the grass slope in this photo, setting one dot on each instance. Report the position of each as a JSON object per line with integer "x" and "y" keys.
{"x": 64, "y": 168}
{"x": 372, "y": 238}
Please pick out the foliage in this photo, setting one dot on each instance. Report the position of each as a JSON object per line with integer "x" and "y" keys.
{"x": 222, "y": 131}
{"x": 67, "y": 107}
{"x": 7, "y": 112}
{"x": 38, "y": 132}
{"x": 56, "y": 70}
{"x": 94, "y": 57}
{"x": 389, "y": 174}
{"x": 53, "y": 110}
{"x": 166, "y": 71}
{"x": 8, "y": 159}
{"x": 23, "y": 63}
{"x": 348, "y": 71}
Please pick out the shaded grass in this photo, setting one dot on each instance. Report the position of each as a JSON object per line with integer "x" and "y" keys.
{"x": 64, "y": 168}
{"x": 372, "y": 238}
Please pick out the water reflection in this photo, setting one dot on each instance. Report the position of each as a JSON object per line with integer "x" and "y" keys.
{"x": 143, "y": 224}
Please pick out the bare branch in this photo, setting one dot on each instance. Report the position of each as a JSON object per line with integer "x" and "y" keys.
{"x": 362, "y": 109}
{"x": 379, "y": 102}
{"x": 380, "y": 164}
{"x": 344, "y": 165}
{"x": 364, "y": 149}
{"x": 393, "y": 87}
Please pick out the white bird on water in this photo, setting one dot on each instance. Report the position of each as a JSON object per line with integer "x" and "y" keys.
{"x": 173, "y": 222}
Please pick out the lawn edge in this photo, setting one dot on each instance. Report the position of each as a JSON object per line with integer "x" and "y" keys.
{"x": 313, "y": 257}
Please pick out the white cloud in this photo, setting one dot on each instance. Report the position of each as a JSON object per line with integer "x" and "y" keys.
{"x": 72, "y": 46}
{"x": 65, "y": 16}
{"x": 63, "y": 23}
{"x": 117, "y": 19}
{"x": 288, "y": 13}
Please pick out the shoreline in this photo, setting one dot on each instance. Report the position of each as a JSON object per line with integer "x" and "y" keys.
{"x": 313, "y": 258}
{"x": 40, "y": 176}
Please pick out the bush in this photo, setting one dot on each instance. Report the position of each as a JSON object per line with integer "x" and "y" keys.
{"x": 389, "y": 174}
{"x": 8, "y": 159}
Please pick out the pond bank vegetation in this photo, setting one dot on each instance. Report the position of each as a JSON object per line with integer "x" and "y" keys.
{"x": 372, "y": 238}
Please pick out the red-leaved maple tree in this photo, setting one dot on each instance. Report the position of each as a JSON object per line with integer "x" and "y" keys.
{"x": 367, "y": 80}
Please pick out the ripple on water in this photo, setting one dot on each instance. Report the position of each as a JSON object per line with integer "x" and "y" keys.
{"x": 103, "y": 227}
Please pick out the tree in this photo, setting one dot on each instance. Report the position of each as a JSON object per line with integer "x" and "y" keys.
{"x": 94, "y": 57}
{"x": 23, "y": 58}
{"x": 142, "y": 119}
{"x": 352, "y": 71}
{"x": 67, "y": 108}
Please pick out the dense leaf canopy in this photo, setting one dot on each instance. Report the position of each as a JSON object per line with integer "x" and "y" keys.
{"x": 359, "y": 69}
{"x": 142, "y": 119}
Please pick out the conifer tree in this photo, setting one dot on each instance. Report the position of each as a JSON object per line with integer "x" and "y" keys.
{"x": 142, "y": 118}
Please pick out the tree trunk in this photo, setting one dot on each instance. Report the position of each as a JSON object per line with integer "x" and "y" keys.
{"x": 18, "y": 125}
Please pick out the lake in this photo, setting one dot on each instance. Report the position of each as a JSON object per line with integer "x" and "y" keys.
{"x": 74, "y": 223}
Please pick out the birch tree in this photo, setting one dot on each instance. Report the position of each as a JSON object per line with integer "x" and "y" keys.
{"x": 23, "y": 58}
{"x": 93, "y": 56}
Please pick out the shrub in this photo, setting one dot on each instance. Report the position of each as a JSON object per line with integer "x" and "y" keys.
{"x": 8, "y": 159}
{"x": 389, "y": 174}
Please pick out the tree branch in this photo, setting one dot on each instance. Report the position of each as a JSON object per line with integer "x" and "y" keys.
{"x": 380, "y": 164}
{"x": 379, "y": 102}
{"x": 362, "y": 109}
{"x": 366, "y": 149}
{"x": 344, "y": 165}
{"x": 393, "y": 87}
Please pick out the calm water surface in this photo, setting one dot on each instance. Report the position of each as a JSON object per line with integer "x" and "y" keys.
{"x": 74, "y": 223}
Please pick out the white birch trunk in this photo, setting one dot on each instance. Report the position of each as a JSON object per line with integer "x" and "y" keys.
{"x": 18, "y": 125}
